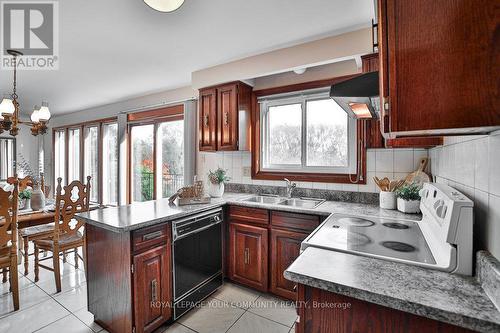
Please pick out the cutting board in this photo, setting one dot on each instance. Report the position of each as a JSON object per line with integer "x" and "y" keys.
{"x": 419, "y": 176}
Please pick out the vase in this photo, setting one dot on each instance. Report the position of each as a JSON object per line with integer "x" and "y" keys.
{"x": 27, "y": 204}
{"x": 412, "y": 206}
{"x": 37, "y": 199}
{"x": 216, "y": 190}
{"x": 388, "y": 200}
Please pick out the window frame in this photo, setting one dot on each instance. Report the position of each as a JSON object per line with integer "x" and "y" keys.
{"x": 14, "y": 157}
{"x": 358, "y": 177}
{"x": 82, "y": 127}
{"x": 303, "y": 98}
{"x": 150, "y": 117}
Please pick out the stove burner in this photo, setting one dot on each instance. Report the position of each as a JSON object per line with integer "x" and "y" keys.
{"x": 355, "y": 222}
{"x": 395, "y": 225}
{"x": 398, "y": 246}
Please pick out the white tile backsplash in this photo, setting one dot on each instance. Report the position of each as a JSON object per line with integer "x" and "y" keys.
{"x": 390, "y": 163}
{"x": 471, "y": 164}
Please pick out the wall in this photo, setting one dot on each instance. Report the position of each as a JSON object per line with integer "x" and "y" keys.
{"x": 471, "y": 164}
{"x": 323, "y": 51}
{"x": 391, "y": 163}
{"x": 26, "y": 146}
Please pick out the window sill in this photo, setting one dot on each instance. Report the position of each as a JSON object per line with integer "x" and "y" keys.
{"x": 308, "y": 177}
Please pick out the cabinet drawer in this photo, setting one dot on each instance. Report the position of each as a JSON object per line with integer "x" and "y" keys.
{"x": 294, "y": 221}
{"x": 248, "y": 215}
{"x": 145, "y": 238}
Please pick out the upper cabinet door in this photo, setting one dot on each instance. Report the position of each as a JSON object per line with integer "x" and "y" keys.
{"x": 438, "y": 65}
{"x": 227, "y": 114}
{"x": 208, "y": 120}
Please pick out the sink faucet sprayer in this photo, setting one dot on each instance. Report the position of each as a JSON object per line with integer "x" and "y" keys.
{"x": 289, "y": 187}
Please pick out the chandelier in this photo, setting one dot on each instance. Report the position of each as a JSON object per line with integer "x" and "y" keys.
{"x": 10, "y": 112}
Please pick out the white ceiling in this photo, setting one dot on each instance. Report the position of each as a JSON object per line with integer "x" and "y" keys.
{"x": 112, "y": 50}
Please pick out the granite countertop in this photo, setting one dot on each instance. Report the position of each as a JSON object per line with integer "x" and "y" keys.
{"x": 143, "y": 214}
{"x": 442, "y": 296}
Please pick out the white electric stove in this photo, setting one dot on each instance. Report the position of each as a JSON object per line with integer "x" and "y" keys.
{"x": 441, "y": 240}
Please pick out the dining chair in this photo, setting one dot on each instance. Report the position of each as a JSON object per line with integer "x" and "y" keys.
{"x": 8, "y": 238}
{"x": 66, "y": 235}
{"x": 30, "y": 233}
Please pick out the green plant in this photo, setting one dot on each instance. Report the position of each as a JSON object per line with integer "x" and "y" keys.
{"x": 25, "y": 194}
{"x": 218, "y": 176}
{"x": 409, "y": 192}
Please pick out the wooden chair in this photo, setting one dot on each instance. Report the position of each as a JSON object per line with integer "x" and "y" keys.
{"x": 30, "y": 233}
{"x": 8, "y": 238}
{"x": 66, "y": 235}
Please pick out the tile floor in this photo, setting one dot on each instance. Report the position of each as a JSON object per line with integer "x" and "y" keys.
{"x": 231, "y": 309}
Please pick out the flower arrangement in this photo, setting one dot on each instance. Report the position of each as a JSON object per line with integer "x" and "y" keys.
{"x": 409, "y": 192}
{"x": 25, "y": 194}
{"x": 218, "y": 176}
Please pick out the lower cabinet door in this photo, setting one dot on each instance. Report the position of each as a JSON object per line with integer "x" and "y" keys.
{"x": 152, "y": 289}
{"x": 285, "y": 248}
{"x": 248, "y": 251}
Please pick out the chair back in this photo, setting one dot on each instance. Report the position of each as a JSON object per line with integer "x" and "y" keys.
{"x": 23, "y": 182}
{"x": 75, "y": 199}
{"x": 8, "y": 217}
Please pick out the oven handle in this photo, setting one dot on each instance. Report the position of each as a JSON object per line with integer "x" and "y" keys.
{"x": 196, "y": 231}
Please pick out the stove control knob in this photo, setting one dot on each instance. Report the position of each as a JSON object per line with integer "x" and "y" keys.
{"x": 441, "y": 211}
{"x": 438, "y": 203}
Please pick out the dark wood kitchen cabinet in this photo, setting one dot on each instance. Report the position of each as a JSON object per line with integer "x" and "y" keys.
{"x": 374, "y": 138}
{"x": 224, "y": 121}
{"x": 152, "y": 281}
{"x": 129, "y": 278}
{"x": 248, "y": 255}
{"x": 208, "y": 120}
{"x": 438, "y": 74}
{"x": 285, "y": 248}
{"x": 339, "y": 314}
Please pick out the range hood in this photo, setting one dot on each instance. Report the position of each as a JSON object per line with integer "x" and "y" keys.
{"x": 358, "y": 96}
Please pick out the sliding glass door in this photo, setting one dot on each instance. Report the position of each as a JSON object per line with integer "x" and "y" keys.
{"x": 91, "y": 160}
{"x": 74, "y": 158}
{"x": 157, "y": 159}
{"x": 59, "y": 157}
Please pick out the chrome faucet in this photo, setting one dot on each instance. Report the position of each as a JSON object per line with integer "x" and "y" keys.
{"x": 289, "y": 187}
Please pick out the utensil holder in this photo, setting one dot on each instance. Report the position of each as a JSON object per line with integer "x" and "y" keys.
{"x": 388, "y": 200}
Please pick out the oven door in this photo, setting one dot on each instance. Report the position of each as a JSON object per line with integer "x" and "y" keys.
{"x": 197, "y": 258}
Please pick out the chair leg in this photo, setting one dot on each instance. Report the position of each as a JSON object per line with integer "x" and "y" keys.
{"x": 14, "y": 283}
{"x": 57, "y": 272}
{"x": 26, "y": 246}
{"x": 76, "y": 257}
{"x": 37, "y": 268}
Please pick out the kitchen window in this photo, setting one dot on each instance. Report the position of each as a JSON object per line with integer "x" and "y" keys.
{"x": 89, "y": 149}
{"x": 306, "y": 132}
{"x": 7, "y": 158}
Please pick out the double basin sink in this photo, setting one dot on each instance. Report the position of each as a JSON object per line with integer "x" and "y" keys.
{"x": 293, "y": 202}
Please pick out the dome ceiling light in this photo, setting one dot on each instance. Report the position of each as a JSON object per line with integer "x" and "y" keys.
{"x": 164, "y": 6}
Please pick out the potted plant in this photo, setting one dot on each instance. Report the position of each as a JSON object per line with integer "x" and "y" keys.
{"x": 25, "y": 196}
{"x": 217, "y": 179}
{"x": 409, "y": 198}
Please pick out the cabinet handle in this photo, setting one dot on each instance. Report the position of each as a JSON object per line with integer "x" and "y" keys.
{"x": 154, "y": 288}
{"x": 226, "y": 118}
{"x": 247, "y": 256}
{"x": 152, "y": 235}
{"x": 206, "y": 120}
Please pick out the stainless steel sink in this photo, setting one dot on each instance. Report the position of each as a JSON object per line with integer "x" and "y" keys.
{"x": 302, "y": 202}
{"x": 264, "y": 199}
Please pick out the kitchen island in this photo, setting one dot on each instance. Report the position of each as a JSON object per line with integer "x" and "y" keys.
{"x": 129, "y": 253}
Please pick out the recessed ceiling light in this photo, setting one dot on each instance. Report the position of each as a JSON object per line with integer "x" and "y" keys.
{"x": 299, "y": 70}
{"x": 164, "y": 6}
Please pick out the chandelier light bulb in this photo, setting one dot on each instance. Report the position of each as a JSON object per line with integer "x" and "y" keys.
{"x": 164, "y": 6}
{"x": 44, "y": 112}
{"x": 7, "y": 107}
{"x": 35, "y": 116}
